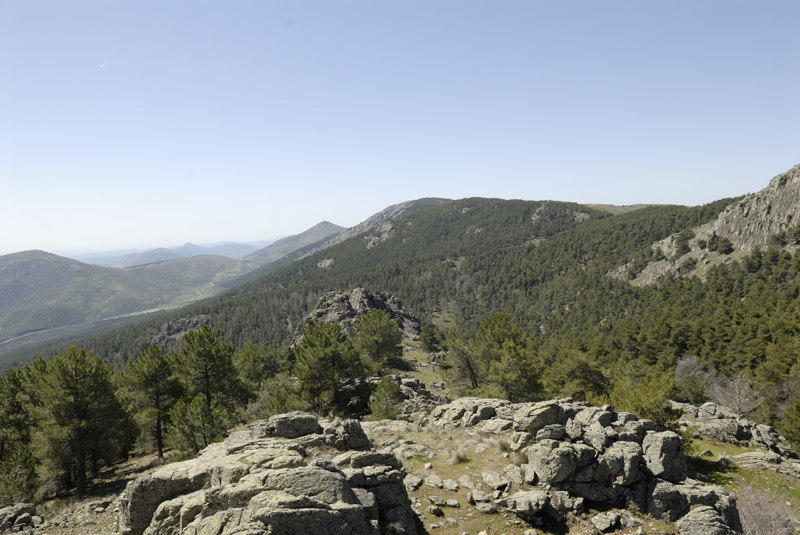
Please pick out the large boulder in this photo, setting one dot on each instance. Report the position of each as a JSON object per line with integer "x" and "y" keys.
{"x": 767, "y": 460}
{"x": 664, "y": 455}
{"x": 669, "y": 501}
{"x": 553, "y": 461}
{"x": 533, "y": 505}
{"x": 724, "y": 424}
{"x": 464, "y": 412}
{"x": 703, "y": 520}
{"x": 290, "y": 475}
{"x": 292, "y": 425}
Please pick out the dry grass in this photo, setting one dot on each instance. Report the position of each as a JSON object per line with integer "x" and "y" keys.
{"x": 764, "y": 513}
{"x": 456, "y": 455}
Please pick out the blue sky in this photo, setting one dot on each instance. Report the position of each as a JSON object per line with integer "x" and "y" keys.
{"x": 153, "y": 123}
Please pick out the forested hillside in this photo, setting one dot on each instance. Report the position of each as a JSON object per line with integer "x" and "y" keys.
{"x": 544, "y": 263}
{"x": 519, "y": 295}
{"x": 431, "y": 260}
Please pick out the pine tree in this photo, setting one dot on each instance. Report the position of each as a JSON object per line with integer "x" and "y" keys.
{"x": 377, "y": 339}
{"x": 384, "y": 402}
{"x": 323, "y": 359}
{"x": 79, "y": 417}
{"x": 212, "y": 389}
{"x": 17, "y": 465}
{"x": 154, "y": 389}
{"x": 205, "y": 366}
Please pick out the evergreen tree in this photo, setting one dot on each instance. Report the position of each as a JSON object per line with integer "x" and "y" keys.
{"x": 205, "y": 366}
{"x": 194, "y": 426}
{"x": 18, "y": 478}
{"x": 323, "y": 360}
{"x": 430, "y": 337}
{"x": 212, "y": 390}
{"x": 498, "y": 361}
{"x": 376, "y": 339}
{"x": 384, "y": 402}
{"x": 154, "y": 389}
{"x": 277, "y": 395}
{"x": 647, "y": 397}
{"x": 79, "y": 418}
{"x": 789, "y": 425}
{"x": 462, "y": 363}
{"x": 256, "y": 363}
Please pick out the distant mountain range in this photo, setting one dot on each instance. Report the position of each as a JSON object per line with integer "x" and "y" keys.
{"x": 43, "y": 295}
{"x": 123, "y": 259}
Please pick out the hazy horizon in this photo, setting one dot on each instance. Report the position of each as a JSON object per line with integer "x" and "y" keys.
{"x": 133, "y": 125}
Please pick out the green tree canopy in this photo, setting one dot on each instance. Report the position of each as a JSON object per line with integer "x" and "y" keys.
{"x": 79, "y": 417}
{"x": 376, "y": 339}
{"x": 205, "y": 367}
{"x": 323, "y": 360}
{"x": 153, "y": 389}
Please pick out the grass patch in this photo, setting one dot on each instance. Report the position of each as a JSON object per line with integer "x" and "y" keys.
{"x": 737, "y": 479}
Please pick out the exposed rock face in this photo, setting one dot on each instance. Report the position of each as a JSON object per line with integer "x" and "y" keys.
{"x": 768, "y": 460}
{"x": 384, "y": 219}
{"x": 579, "y": 454}
{"x": 413, "y": 394}
{"x": 297, "y": 474}
{"x": 723, "y": 424}
{"x": 171, "y": 333}
{"x": 345, "y": 307}
{"x": 353, "y": 396}
{"x": 663, "y": 453}
{"x": 703, "y": 520}
{"x": 747, "y": 223}
{"x": 291, "y": 475}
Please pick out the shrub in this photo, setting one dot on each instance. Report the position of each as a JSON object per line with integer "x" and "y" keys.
{"x": 384, "y": 403}
{"x": 647, "y": 397}
{"x": 18, "y": 479}
{"x": 277, "y": 395}
{"x": 763, "y": 513}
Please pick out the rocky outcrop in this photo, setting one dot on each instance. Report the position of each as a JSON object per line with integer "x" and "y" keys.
{"x": 291, "y": 474}
{"x": 768, "y": 460}
{"x": 345, "y": 307}
{"x": 19, "y": 517}
{"x": 296, "y": 473}
{"x": 353, "y": 396}
{"x": 171, "y": 333}
{"x": 386, "y": 217}
{"x": 723, "y": 424}
{"x": 747, "y": 224}
{"x": 414, "y": 396}
{"x": 578, "y": 455}
{"x": 703, "y": 520}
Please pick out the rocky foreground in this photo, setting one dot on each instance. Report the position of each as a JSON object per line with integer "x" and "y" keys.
{"x": 469, "y": 466}
{"x": 295, "y": 474}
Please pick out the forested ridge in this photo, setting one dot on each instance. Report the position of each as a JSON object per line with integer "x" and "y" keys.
{"x": 517, "y": 293}
{"x": 456, "y": 263}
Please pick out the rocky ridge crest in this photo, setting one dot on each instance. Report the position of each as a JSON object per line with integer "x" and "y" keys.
{"x": 576, "y": 455}
{"x": 748, "y": 223}
{"x": 560, "y": 464}
{"x": 346, "y": 307}
{"x": 292, "y": 474}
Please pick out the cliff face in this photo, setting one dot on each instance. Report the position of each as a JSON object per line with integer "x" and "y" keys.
{"x": 743, "y": 226}
{"x": 750, "y": 222}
